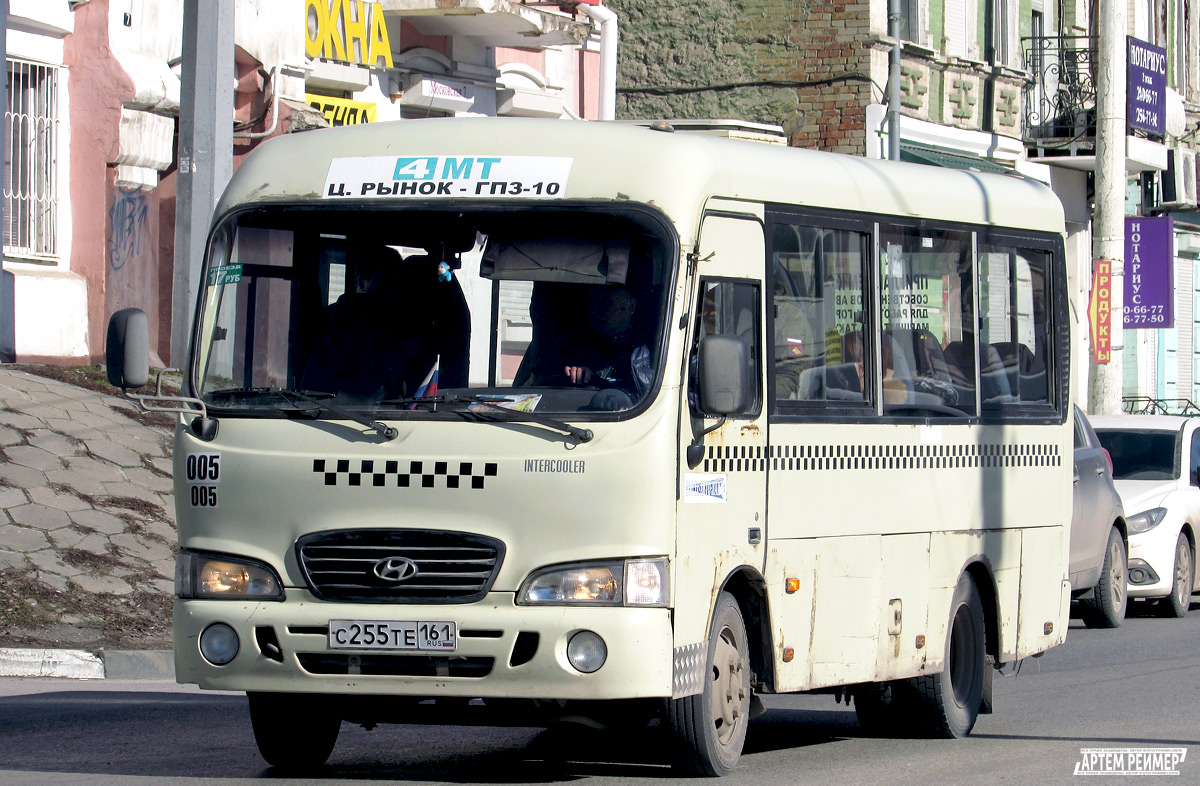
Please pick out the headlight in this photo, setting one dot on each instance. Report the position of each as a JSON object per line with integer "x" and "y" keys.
{"x": 1145, "y": 521}
{"x": 631, "y": 582}
{"x": 216, "y": 576}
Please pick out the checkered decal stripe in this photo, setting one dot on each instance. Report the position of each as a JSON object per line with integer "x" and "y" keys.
{"x": 415, "y": 474}
{"x": 827, "y": 457}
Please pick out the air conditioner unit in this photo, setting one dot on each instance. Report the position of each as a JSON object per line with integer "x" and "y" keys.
{"x": 1178, "y": 182}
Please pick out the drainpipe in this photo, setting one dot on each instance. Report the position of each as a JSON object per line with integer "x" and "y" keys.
{"x": 276, "y": 72}
{"x": 893, "y": 109}
{"x": 608, "y": 55}
{"x": 274, "y": 112}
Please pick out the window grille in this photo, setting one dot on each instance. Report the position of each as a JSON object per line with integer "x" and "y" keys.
{"x": 31, "y": 161}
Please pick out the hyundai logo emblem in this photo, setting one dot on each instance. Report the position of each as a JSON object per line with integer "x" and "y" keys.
{"x": 395, "y": 569}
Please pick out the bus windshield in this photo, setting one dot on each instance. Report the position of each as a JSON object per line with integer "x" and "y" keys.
{"x": 405, "y": 313}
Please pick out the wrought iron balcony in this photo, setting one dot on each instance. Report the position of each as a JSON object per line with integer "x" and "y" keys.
{"x": 1060, "y": 100}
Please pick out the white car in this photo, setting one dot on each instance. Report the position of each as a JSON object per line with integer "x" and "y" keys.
{"x": 1156, "y": 465}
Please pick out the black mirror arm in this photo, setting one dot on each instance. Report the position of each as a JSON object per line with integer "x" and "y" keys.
{"x": 695, "y": 451}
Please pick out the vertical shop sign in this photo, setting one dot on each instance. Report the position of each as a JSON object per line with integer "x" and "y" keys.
{"x": 1100, "y": 311}
{"x": 1146, "y": 88}
{"x": 1149, "y": 268}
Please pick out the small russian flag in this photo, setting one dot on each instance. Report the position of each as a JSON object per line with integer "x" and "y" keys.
{"x": 795, "y": 347}
{"x": 430, "y": 386}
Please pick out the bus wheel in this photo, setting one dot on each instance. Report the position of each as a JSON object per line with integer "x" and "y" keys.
{"x": 710, "y": 727}
{"x": 948, "y": 702}
{"x": 293, "y": 731}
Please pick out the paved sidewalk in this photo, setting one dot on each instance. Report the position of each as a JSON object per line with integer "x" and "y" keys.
{"x": 87, "y": 528}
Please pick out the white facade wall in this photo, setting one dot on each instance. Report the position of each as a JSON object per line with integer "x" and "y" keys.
{"x": 50, "y": 301}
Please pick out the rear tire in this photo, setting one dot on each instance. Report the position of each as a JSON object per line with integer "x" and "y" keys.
{"x": 294, "y": 731}
{"x": 1183, "y": 575}
{"x": 1106, "y": 607}
{"x": 709, "y": 729}
{"x": 947, "y": 703}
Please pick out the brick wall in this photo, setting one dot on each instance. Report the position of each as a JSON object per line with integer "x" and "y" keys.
{"x": 711, "y": 43}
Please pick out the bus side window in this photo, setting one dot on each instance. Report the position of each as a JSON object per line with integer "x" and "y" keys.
{"x": 817, "y": 314}
{"x": 928, "y": 311}
{"x": 1014, "y": 330}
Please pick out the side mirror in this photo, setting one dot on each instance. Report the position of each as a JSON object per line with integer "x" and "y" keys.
{"x": 127, "y": 349}
{"x": 724, "y": 375}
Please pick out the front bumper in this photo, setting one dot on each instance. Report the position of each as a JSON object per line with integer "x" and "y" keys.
{"x": 504, "y": 650}
{"x": 1156, "y": 548}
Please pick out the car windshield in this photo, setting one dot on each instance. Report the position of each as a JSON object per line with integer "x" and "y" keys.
{"x": 1142, "y": 454}
{"x": 414, "y": 313}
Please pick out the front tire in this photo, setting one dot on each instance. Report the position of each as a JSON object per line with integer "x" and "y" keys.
{"x": 709, "y": 729}
{"x": 294, "y": 731}
{"x": 1106, "y": 608}
{"x": 948, "y": 702}
{"x": 1180, "y": 600}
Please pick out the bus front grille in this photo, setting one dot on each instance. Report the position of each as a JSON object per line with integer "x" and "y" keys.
{"x": 399, "y": 566}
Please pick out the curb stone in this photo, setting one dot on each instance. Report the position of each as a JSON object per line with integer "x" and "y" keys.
{"x": 83, "y": 665}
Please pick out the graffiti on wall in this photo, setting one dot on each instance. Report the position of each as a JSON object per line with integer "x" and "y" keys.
{"x": 127, "y": 221}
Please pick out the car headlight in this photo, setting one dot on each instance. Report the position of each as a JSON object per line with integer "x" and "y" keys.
{"x": 1145, "y": 521}
{"x": 631, "y": 582}
{"x": 218, "y": 576}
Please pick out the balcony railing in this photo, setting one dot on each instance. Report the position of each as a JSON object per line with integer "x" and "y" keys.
{"x": 1060, "y": 100}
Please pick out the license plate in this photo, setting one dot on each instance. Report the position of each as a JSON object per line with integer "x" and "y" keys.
{"x": 438, "y": 636}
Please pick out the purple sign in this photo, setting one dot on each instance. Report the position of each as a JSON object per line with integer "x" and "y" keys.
{"x": 1149, "y": 267}
{"x": 1146, "y": 89}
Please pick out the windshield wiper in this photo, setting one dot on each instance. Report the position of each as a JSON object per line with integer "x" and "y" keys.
{"x": 581, "y": 434}
{"x": 314, "y": 397}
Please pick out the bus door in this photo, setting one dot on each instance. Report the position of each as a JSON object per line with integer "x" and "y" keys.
{"x": 722, "y": 495}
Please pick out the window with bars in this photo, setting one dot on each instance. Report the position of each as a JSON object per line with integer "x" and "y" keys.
{"x": 31, "y": 161}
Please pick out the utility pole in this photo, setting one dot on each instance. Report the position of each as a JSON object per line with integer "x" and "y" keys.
{"x": 205, "y": 151}
{"x": 8, "y": 300}
{"x": 1108, "y": 220}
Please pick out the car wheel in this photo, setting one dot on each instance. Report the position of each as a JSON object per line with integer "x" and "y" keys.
{"x": 1177, "y": 603}
{"x": 1106, "y": 607}
{"x": 948, "y": 702}
{"x": 709, "y": 728}
{"x": 294, "y": 732}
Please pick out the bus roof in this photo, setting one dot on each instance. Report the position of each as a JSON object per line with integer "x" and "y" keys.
{"x": 674, "y": 171}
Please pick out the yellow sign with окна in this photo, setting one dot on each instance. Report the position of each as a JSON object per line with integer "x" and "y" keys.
{"x": 1100, "y": 311}
{"x": 350, "y": 31}
{"x": 342, "y": 111}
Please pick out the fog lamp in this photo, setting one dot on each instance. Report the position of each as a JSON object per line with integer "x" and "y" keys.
{"x": 219, "y": 644}
{"x": 586, "y": 651}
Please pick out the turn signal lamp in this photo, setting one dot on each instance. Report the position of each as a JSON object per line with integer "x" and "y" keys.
{"x": 792, "y": 585}
{"x": 921, "y": 642}
{"x": 1049, "y": 628}
{"x": 788, "y": 654}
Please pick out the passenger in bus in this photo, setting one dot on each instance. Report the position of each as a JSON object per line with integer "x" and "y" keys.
{"x": 608, "y": 353}
{"x": 796, "y": 346}
{"x": 389, "y": 334}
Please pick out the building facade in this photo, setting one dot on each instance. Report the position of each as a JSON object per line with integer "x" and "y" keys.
{"x": 995, "y": 85}
{"x": 92, "y": 114}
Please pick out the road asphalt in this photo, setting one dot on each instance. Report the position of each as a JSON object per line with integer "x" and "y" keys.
{"x": 87, "y": 509}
